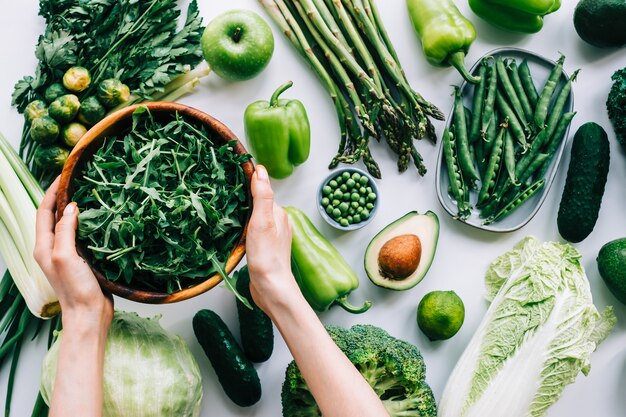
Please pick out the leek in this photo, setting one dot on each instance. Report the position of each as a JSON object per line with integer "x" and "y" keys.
{"x": 19, "y": 197}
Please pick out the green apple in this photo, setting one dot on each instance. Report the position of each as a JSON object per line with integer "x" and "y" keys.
{"x": 238, "y": 45}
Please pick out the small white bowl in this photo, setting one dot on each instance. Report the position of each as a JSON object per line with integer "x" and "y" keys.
{"x": 328, "y": 218}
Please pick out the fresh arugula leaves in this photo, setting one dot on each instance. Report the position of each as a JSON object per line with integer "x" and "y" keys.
{"x": 162, "y": 204}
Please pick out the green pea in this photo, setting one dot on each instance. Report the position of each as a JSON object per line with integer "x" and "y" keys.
{"x": 337, "y": 194}
{"x": 369, "y": 190}
{"x": 363, "y": 191}
{"x": 365, "y": 214}
{"x": 327, "y": 190}
{"x": 333, "y": 184}
{"x": 336, "y": 202}
{"x": 350, "y": 183}
{"x": 354, "y": 204}
{"x": 346, "y": 197}
{"x": 359, "y": 209}
{"x": 343, "y": 207}
{"x": 343, "y": 188}
{"x": 329, "y": 210}
{"x": 357, "y": 219}
{"x": 350, "y": 219}
{"x": 354, "y": 197}
{"x": 344, "y": 222}
{"x": 346, "y": 175}
{"x": 369, "y": 206}
{"x": 371, "y": 197}
{"x": 362, "y": 201}
{"x": 356, "y": 176}
{"x": 364, "y": 180}
{"x": 351, "y": 211}
{"x": 336, "y": 213}
{"x": 325, "y": 201}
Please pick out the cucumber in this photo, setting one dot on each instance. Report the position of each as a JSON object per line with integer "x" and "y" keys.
{"x": 257, "y": 331}
{"x": 585, "y": 183}
{"x": 235, "y": 372}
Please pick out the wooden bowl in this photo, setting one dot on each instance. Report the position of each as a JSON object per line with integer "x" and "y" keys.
{"x": 94, "y": 139}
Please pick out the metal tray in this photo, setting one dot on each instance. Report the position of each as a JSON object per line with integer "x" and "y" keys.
{"x": 540, "y": 68}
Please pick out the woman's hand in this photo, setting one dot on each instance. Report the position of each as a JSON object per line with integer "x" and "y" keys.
{"x": 71, "y": 278}
{"x": 268, "y": 248}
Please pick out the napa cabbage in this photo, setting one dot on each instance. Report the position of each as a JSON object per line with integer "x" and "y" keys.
{"x": 535, "y": 338}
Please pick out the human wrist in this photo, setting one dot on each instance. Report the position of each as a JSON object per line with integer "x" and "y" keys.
{"x": 87, "y": 320}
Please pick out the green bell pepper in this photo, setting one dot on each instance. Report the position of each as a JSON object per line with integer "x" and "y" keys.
{"x": 445, "y": 33}
{"x": 278, "y": 133}
{"x": 515, "y": 15}
{"x": 322, "y": 274}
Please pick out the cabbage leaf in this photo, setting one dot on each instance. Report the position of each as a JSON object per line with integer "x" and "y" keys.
{"x": 535, "y": 338}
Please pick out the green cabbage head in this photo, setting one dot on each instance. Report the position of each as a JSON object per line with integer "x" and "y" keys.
{"x": 148, "y": 372}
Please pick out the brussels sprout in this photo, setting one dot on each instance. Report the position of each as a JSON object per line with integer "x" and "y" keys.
{"x": 113, "y": 92}
{"x": 51, "y": 157}
{"x": 65, "y": 108}
{"x": 55, "y": 91}
{"x": 77, "y": 79}
{"x": 91, "y": 111}
{"x": 34, "y": 110}
{"x": 44, "y": 130}
{"x": 72, "y": 133}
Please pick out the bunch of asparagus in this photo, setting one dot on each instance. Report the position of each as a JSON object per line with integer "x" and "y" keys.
{"x": 346, "y": 44}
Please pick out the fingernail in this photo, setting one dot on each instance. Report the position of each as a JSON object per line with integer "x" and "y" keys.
{"x": 69, "y": 209}
{"x": 261, "y": 173}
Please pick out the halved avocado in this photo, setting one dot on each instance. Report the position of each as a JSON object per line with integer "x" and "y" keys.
{"x": 400, "y": 255}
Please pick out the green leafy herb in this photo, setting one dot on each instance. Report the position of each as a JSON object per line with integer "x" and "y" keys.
{"x": 162, "y": 204}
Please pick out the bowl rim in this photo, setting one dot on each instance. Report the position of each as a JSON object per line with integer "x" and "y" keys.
{"x": 74, "y": 161}
{"x": 334, "y": 174}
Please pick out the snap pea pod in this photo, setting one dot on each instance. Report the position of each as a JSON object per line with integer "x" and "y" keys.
{"x": 509, "y": 91}
{"x": 519, "y": 89}
{"x": 525, "y": 195}
{"x": 543, "y": 104}
{"x": 477, "y": 104}
{"x": 490, "y": 98}
{"x": 462, "y": 143}
{"x": 555, "y": 141}
{"x": 528, "y": 83}
{"x": 559, "y": 104}
{"x": 509, "y": 157}
{"x": 514, "y": 124}
{"x": 454, "y": 173}
{"x": 529, "y": 156}
{"x": 537, "y": 163}
{"x": 492, "y": 133}
{"x": 489, "y": 181}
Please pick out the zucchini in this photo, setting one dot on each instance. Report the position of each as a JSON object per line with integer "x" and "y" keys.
{"x": 257, "y": 331}
{"x": 235, "y": 372}
{"x": 585, "y": 183}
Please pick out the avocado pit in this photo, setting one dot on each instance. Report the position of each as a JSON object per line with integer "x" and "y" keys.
{"x": 399, "y": 257}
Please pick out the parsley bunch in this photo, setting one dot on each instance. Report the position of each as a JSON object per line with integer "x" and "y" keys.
{"x": 135, "y": 41}
{"x": 162, "y": 204}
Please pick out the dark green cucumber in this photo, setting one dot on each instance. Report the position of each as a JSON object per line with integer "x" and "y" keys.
{"x": 257, "y": 332}
{"x": 235, "y": 372}
{"x": 585, "y": 183}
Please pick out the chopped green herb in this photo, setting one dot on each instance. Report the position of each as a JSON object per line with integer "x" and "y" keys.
{"x": 162, "y": 204}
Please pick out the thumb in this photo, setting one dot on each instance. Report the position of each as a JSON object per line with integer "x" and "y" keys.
{"x": 263, "y": 198}
{"x": 65, "y": 231}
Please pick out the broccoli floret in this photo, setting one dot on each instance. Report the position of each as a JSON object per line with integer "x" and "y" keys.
{"x": 616, "y": 105}
{"x": 394, "y": 368}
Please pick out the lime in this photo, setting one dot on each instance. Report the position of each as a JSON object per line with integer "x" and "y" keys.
{"x": 440, "y": 314}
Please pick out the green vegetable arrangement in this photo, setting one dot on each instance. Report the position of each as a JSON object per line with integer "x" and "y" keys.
{"x": 133, "y": 385}
{"x": 347, "y": 46}
{"x": 508, "y": 140}
{"x": 162, "y": 204}
{"x": 88, "y": 46}
{"x": 536, "y": 337}
{"x": 394, "y": 368}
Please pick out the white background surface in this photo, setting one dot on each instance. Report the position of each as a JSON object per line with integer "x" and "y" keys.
{"x": 463, "y": 252}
